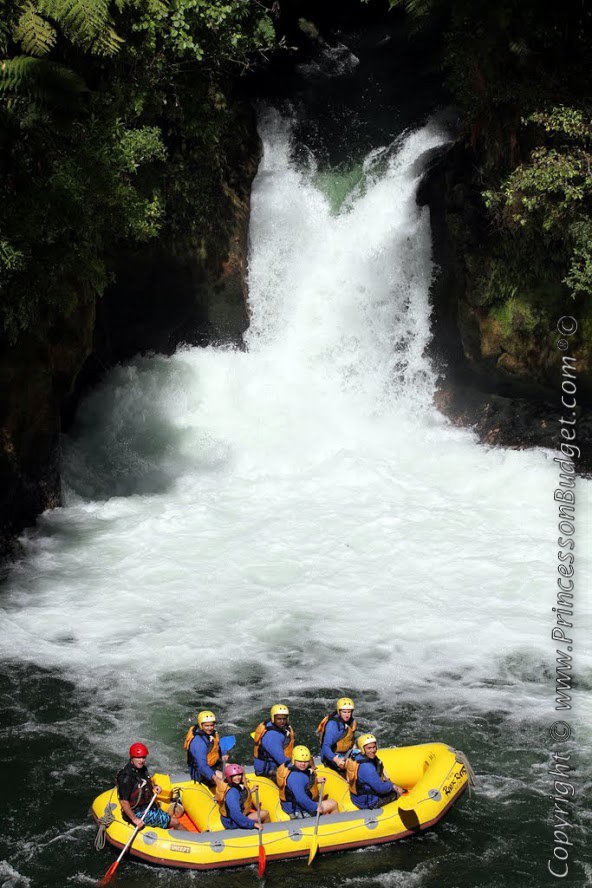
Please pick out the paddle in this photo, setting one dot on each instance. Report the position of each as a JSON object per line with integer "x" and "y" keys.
{"x": 409, "y": 818}
{"x": 262, "y": 859}
{"x": 227, "y": 743}
{"x": 315, "y": 836}
{"x": 111, "y": 871}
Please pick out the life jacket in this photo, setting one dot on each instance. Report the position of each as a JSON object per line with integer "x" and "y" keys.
{"x": 352, "y": 766}
{"x": 286, "y": 794}
{"x": 142, "y": 792}
{"x": 246, "y": 797}
{"x": 345, "y": 743}
{"x": 262, "y": 728}
{"x": 213, "y": 755}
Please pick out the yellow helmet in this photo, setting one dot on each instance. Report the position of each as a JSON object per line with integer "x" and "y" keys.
{"x": 279, "y": 709}
{"x": 205, "y": 716}
{"x": 345, "y": 703}
{"x": 301, "y": 754}
{"x": 365, "y": 739}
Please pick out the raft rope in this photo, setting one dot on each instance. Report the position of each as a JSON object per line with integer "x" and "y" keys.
{"x": 463, "y": 759}
{"x": 104, "y": 823}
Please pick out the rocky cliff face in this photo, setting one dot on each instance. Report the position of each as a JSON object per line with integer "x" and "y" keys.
{"x": 160, "y": 298}
{"x": 501, "y": 365}
{"x": 38, "y": 375}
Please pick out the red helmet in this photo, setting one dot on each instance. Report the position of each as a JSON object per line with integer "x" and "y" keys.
{"x": 138, "y": 750}
{"x": 232, "y": 771}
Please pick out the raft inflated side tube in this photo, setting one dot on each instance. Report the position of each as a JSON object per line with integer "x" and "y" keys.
{"x": 432, "y": 773}
{"x": 166, "y": 787}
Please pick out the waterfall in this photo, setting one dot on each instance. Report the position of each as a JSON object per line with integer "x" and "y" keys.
{"x": 296, "y": 520}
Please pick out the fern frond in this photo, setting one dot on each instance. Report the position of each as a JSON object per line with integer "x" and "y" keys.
{"x": 519, "y": 48}
{"x": 35, "y": 34}
{"x": 107, "y": 43}
{"x": 5, "y": 35}
{"x": 83, "y": 21}
{"x": 43, "y": 82}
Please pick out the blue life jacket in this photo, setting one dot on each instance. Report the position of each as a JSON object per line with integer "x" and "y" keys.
{"x": 290, "y": 804}
{"x": 260, "y": 754}
{"x": 363, "y": 794}
{"x": 212, "y": 746}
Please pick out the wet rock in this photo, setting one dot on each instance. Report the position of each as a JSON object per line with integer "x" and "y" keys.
{"x": 516, "y": 423}
{"x": 38, "y": 375}
{"x": 499, "y": 363}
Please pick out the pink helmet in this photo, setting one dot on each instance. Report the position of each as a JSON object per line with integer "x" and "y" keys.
{"x": 232, "y": 771}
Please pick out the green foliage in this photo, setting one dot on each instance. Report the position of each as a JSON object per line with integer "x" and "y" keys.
{"x": 420, "y": 12}
{"x": 548, "y": 199}
{"x": 10, "y": 259}
{"x": 519, "y": 74}
{"x": 207, "y": 30}
{"x": 41, "y": 81}
{"x": 579, "y": 275}
{"x": 86, "y": 23}
{"x": 139, "y": 146}
{"x": 35, "y": 34}
{"x": 116, "y": 127}
{"x": 516, "y": 314}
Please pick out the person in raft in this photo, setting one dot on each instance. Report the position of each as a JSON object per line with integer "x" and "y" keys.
{"x": 203, "y": 751}
{"x": 300, "y": 791}
{"x": 135, "y": 790}
{"x": 337, "y": 733}
{"x": 234, "y": 796}
{"x": 274, "y": 742}
{"x": 368, "y": 784}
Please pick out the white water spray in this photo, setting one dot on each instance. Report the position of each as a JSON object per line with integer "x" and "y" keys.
{"x": 298, "y": 513}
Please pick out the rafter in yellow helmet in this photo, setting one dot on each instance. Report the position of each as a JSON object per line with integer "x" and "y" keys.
{"x": 345, "y": 703}
{"x": 301, "y": 754}
{"x": 279, "y": 709}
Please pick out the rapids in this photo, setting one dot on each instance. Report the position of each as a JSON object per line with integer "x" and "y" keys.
{"x": 293, "y": 521}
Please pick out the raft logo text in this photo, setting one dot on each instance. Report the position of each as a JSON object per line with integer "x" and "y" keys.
{"x": 561, "y": 633}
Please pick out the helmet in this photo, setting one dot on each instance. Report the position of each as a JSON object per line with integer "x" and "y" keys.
{"x": 205, "y": 716}
{"x": 344, "y": 703}
{"x": 232, "y": 771}
{"x": 301, "y": 754}
{"x": 365, "y": 739}
{"x": 138, "y": 750}
{"x": 279, "y": 709}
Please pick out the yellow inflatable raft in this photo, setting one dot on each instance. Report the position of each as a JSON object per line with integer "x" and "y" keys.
{"x": 434, "y": 775}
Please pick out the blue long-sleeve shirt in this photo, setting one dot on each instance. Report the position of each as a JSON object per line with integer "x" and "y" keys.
{"x": 297, "y": 783}
{"x": 273, "y": 742}
{"x": 371, "y": 787}
{"x": 236, "y": 818}
{"x": 334, "y": 731}
{"x": 199, "y": 749}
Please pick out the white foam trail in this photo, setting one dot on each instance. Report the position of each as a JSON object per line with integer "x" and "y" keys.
{"x": 298, "y": 512}
{"x": 11, "y": 878}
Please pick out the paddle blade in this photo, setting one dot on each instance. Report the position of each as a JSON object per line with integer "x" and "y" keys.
{"x": 262, "y": 861}
{"x": 409, "y": 818}
{"x": 227, "y": 743}
{"x": 109, "y": 874}
{"x": 313, "y": 850}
